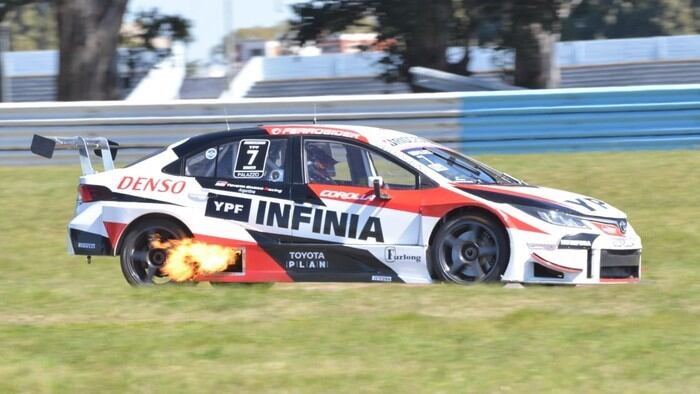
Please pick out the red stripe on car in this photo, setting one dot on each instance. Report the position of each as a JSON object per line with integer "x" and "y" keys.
{"x": 541, "y": 260}
{"x": 114, "y": 232}
{"x": 314, "y": 131}
{"x": 258, "y": 265}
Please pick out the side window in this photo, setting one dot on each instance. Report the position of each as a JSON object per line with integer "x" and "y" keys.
{"x": 258, "y": 159}
{"x": 336, "y": 163}
{"x": 395, "y": 176}
{"x": 202, "y": 164}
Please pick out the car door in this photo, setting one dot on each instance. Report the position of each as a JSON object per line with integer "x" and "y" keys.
{"x": 341, "y": 203}
{"x": 242, "y": 179}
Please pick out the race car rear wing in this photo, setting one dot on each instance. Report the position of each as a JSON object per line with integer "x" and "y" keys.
{"x": 104, "y": 148}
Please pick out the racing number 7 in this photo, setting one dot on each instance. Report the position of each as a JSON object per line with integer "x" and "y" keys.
{"x": 253, "y": 153}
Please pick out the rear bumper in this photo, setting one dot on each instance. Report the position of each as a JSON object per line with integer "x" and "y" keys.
{"x": 84, "y": 243}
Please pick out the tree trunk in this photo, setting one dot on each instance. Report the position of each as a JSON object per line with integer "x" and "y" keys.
{"x": 427, "y": 42}
{"x": 535, "y": 34}
{"x": 535, "y": 65}
{"x": 88, "y": 33}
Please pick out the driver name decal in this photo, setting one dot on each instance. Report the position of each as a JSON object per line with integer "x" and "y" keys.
{"x": 250, "y": 162}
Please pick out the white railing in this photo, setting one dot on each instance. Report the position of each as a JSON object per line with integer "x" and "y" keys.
{"x": 641, "y": 117}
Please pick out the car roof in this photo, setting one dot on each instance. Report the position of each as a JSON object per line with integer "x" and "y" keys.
{"x": 385, "y": 138}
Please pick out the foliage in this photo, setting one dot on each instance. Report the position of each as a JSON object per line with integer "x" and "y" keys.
{"x": 71, "y": 327}
{"x": 33, "y": 27}
{"x": 151, "y": 26}
{"x": 529, "y": 28}
{"x": 148, "y": 38}
{"x": 415, "y": 34}
{"x": 8, "y": 5}
{"x": 595, "y": 19}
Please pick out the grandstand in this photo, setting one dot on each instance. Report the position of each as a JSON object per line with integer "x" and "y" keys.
{"x": 617, "y": 62}
{"x": 31, "y": 75}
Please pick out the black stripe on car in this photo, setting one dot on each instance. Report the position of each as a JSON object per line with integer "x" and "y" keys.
{"x": 503, "y": 198}
{"x": 311, "y": 260}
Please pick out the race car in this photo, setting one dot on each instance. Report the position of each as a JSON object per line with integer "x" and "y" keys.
{"x": 340, "y": 204}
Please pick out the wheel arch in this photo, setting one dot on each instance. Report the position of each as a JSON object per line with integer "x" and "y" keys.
{"x": 461, "y": 210}
{"x": 144, "y": 218}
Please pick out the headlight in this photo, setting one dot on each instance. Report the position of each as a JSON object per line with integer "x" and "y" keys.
{"x": 554, "y": 217}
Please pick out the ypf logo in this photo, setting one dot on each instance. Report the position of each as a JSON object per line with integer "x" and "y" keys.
{"x": 232, "y": 208}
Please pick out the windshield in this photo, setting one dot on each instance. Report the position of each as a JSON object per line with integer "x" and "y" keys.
{"x": 459, "y": 168}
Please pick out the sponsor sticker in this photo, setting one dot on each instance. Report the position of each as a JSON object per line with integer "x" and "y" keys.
{"x": 623, "y": 242}
{"x": 402, "y": 140}
{"x": 391, "y": 256}
{"x": 589, "y": 203}
{"x": 575, "y": 243}
{"x": 232, "y": 208}
{"x": 318, "y": 220}
{"x": 210, "y": 153}
{"x": 249, "y": 189}
{"x": 252, "y": 155}
{"x": 305, "y": 261}
{"x": 313, "y": 131}
{"x": 147, "y": 184}
{"x": 438, "y": 167}
{"x": 346, "y": 195}
{"x": 381, "y": 278}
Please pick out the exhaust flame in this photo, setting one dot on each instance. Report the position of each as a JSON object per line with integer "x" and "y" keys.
{"x": 187, "y": 258}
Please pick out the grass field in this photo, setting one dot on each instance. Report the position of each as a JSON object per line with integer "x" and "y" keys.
{"x": 69, "y": 327}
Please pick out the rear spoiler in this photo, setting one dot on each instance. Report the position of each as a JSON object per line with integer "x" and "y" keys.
{"x": 104, "y": 148}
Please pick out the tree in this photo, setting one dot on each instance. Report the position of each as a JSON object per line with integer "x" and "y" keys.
{"x": 531, "y": 29}
{"x": 33, "y": 27}
{"x": 88, "y": 32}
{"x": 5, "y": 7}
{"x": 595, "y": 19}
{"x": 151, "y": 33}
{"x": 8, "y": 5}
{"x": 422, "y": 32}
{"x": 417, "y": 34}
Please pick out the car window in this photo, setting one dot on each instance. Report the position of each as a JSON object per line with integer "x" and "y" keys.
{"x": 395, "y": 176}
{"x": 336, "y": 163}
{"x": 202, "y": 164}
{"x": 252, "y": 158}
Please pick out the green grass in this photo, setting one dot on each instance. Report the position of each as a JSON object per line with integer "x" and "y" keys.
{"x": 69, "y": 327}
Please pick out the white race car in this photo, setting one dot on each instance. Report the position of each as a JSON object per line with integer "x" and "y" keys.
{"x": 339, "y": 204}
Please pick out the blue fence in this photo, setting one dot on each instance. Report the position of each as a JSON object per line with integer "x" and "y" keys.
{"x": 653, "y": 117}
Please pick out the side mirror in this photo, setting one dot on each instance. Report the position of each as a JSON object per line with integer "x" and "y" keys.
{"x": 377, "y": 182}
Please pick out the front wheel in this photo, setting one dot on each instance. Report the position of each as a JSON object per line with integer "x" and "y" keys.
{"x": 469, "y": 249}
{"x": 141, "y": 262}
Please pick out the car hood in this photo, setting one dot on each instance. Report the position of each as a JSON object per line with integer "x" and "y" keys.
{"x": 544, "y": 197}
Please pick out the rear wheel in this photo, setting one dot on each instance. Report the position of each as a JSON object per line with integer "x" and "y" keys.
{"x": 469, "y": 249}
{"x": 141, "y": 262}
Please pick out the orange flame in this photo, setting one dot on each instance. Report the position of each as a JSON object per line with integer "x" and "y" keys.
{"x": 187, "y": 258}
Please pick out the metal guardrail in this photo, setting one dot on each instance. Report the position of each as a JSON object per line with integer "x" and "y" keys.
{"x": 651, "y": 117}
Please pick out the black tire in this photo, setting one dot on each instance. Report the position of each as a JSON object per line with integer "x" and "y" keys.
{"x": 470, "y": 248}
{"x": 139, "y": 261}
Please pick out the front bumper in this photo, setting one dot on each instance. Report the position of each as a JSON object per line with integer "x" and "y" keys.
{"x": 579, "y": 258}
